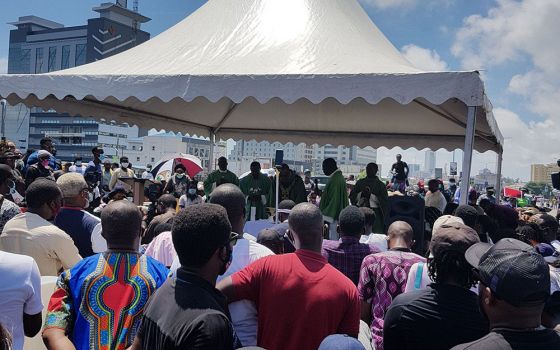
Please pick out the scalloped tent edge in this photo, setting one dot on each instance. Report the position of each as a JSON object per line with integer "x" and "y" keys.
{"x": 246, "y": 79}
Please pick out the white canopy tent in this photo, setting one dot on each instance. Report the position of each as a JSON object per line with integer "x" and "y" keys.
{"x": 313, "y": 71}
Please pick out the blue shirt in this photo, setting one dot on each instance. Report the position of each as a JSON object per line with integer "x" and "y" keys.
{"x": 100, "y": 301}
{"x": 79, "y": 225}
{"x": 33, "y": 159}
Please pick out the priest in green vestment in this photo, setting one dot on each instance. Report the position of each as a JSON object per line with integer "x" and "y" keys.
{"x": 372, "y": 193}
{"x": 256, "y": 188}
{"x": 219, "y": 177}
{"x": 291, "y": 187}
{"x": 334, "y": 197}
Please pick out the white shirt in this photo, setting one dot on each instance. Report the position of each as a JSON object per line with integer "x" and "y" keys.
{"x": 185, "y": 201}
{"x": 81, "y": 169}
{"x": 378, "y": 240}
{"x": 21, "y": 293}
{"x": 31, "y": 235}
{"x": 436, "y": 200}
{"x": 243, "y": 312}
{"x": 98, "y": 243}
{"x": 416, "y": 282}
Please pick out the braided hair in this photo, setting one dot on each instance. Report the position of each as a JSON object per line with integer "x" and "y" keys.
{"x": 452, "y": 265}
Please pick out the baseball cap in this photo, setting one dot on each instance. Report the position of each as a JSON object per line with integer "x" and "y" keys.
{"x": 452, "y": 236}
{"x": 340, "y": 342}
{"x": 445, "y": 220}
{"x": 513, "y": 270}
{"x": 43, "y": 152}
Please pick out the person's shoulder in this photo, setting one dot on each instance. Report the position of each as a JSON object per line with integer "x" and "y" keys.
{"x": 492, "y": 341}
{"x": 258, "y": 250}
{"x": 89, "y": 217}
{"x": 18, "y": 261}
{"x": 151, "y": 262}
{"x": 405, "y": 299}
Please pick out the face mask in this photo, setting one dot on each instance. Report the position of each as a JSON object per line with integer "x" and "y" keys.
{"x": 18, "y": 198}
{"x": 149, "y": 169}
{"x": 227, "y": 261}
{"x": 45, "y": 163}
{"x": 78, "y": 163}
{"x": 192, "y": 191}
{"x": 179, "y": 176}
{"x": 124, "y": 165}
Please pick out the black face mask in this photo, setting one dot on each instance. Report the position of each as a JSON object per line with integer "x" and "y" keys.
{"x": 226, "y": 260}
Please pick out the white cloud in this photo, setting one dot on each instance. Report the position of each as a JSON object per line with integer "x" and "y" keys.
{"x": 384, "y": 4}
{"x": 526, "y": 143}
{"x": 524, "y": 33}
{"x": 425, "y": 59}
{"x": 3, "y": 65}
{"x": 510, "y": 32}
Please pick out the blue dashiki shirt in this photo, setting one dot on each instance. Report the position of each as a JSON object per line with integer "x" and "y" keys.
{"x": 99, "y": 302}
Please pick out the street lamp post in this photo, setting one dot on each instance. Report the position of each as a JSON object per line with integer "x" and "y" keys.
{"x": 2, "y": 127}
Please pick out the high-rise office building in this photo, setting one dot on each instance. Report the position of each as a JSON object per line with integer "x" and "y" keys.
{"x": 38, "y": 45}
{"x": 430, "y": 162}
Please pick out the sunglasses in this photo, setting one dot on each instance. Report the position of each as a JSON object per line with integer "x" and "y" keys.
{"x": 233, "y": 237}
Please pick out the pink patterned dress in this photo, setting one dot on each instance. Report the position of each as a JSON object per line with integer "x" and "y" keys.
{"x": 382, "y": 277}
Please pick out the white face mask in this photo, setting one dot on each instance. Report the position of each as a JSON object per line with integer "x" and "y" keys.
{"x": 78, "y": 163}
{"x": 124, "y": 165}
{"x": 180, "y": 176}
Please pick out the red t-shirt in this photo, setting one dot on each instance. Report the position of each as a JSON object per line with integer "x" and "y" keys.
{"x": 300, "y": 298}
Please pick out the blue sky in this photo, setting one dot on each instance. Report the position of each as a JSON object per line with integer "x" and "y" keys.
{"x": 514, "y": 43}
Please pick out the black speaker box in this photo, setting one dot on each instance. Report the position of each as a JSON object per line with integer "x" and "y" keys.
{"x": 410, "y": 210}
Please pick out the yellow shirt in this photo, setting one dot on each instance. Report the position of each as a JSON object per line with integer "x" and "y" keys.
{"x": 31, "y": 235}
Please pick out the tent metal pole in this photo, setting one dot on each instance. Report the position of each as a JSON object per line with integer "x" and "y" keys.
{"x": 468, "y": 152}
{"x": 211, "y": 152}
{"x": 498, "y": 187}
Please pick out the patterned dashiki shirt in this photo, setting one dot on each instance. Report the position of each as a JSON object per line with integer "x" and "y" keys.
{"x": 99, "y": 302}
{"x": 382, "y": 277}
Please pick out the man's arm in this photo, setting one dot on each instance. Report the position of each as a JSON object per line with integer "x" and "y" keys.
{"x": 56, "y": 339}
{"x": 33, "y": 306}
{"x": 60, "y": 316}
{"x": 244, "y": 284}
{"x": 32, "y": 324}
{"x": 365, "y": 312}
{"x": 406, "y": 167}
{"x": 226, "y": 287}
{"x": 66, "y": 252}
{"x": 208, "y": 184}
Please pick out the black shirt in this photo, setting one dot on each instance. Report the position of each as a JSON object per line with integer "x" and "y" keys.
{"x": 399, "y": 167}
{"x": 438, "y": 317}
{"x": 544, "y": 339}
{"x": 187, "y": 313}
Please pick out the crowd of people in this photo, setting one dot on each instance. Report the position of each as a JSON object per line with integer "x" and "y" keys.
{"x": 216, "y": 264}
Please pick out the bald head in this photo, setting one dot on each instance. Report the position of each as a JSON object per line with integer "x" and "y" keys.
{"x": 306, "y": 224}
{"x": 232, "y": 199}
{"x": 400, "y": 231}
{"x": 121, "y": 225}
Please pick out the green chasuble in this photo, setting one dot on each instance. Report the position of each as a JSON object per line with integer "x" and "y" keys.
{"x": 334, "y": 197}
{"x": 256, "y": 194}
{"x": 217, "y": 178}
{"x": 378, "y": 200}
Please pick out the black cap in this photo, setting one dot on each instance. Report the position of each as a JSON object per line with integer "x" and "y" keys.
{"x": 513, "y": 270}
